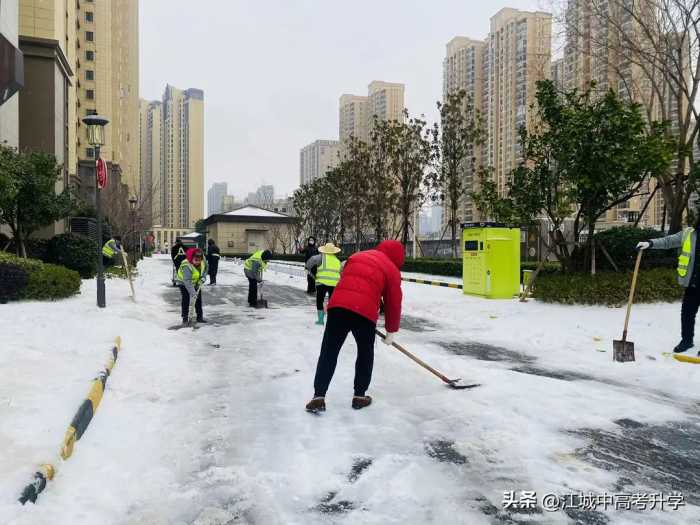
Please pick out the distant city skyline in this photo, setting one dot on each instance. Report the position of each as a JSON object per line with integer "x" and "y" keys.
{"x": 274, "y": 97}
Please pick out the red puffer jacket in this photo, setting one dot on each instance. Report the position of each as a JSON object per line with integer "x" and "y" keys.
{"x": 368, "y": 276}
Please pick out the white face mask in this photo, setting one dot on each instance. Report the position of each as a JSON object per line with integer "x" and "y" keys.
{"x": 312, "y": 242}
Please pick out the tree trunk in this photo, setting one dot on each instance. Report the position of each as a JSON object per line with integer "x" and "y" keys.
{"x": 591, "y": 243}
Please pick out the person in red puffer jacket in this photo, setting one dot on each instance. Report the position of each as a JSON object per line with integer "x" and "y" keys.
{"x": 368, "y": 277}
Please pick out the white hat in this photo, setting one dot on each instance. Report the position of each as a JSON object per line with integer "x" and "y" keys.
{"x": 329, "y": 248}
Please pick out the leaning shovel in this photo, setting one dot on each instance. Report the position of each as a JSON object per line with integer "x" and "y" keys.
{"x": 452, "y": 383}
{"x": 623, "y": 350}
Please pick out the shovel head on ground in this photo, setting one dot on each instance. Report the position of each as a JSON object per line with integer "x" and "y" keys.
{"x": 623, "y": 351}
{"x": 261, "y": 303}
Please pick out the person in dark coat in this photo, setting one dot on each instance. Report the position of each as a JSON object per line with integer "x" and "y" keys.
{"x": 310, "y": 251}
{"x": 367, "y": 278}
{"x": 177, "y": 254}
{"x": 213, "y": 256}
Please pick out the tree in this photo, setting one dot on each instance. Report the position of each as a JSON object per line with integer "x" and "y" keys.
{"x": 453, "y": 141}
{"x": 381, "y": 195}
{"x": 31, "y": 201}
{"x": 410, "y": 157}
{"x": 586, "y": 156}
{"x": 653, "y": 49}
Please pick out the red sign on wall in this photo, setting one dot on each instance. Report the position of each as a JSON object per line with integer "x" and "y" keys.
{"x": 101, "y": 173}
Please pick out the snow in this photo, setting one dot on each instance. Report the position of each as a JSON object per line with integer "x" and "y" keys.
{"x": 208, "y": 426}
{"x": 254, "y": 211}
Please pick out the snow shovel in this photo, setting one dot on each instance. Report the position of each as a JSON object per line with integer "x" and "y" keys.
{"x": 128, "y": 276}
{"x": 452, "y": 383}
{"x": 261, "y": 302}
{"x": 623, "y": 350}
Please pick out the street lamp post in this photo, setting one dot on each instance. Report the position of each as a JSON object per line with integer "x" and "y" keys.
{"x": 132, "y": 204}
{"x": 96, "y": 138}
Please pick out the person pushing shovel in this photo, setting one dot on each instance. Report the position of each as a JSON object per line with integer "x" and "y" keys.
{"x": 368, "y": 277}
{"x": 688, "y": 276}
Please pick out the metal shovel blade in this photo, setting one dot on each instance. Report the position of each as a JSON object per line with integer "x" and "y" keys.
{"x": 623, "y": 351}
{"x": 454, "y": 383}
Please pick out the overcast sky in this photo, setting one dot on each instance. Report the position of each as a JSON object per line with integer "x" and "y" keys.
{"x": 272, "y": 71}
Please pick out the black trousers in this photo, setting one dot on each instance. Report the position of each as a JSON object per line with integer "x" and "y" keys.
{"x": 252, "y": 292}
{"x": 107, "y": 262}
{"x": 213, "y": 270}
{"x": 321, "y": 291}
{"x": 185, "y": 304}
{"x": 689, "y": 309}
{"x": 340, "y": 323}
{"x": 310, "y": 284}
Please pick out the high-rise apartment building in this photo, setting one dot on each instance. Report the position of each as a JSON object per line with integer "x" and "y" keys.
{"x": 592, "y": 53}
{"x": 183, "y": 157}
{"x": 352, "y": 117}
{"x": 215, "y": 198}
{"x": 385, "y": 100}
{"x": 316, "y": 159}
{"x": 81, "y": 58}
{"x": 518, "y": 54}
{"x": 499, "y": 76}
{"x": 107, "y": 83}
{"x": 356, "y": 113}
{"x": 463, "y": 70}
{"x": 172, "y": 162}
{"x": 151, "y": 162}
{"x": 558, "y": 73}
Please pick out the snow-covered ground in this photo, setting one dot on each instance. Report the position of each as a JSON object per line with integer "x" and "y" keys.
{"x": 209, "y": 427}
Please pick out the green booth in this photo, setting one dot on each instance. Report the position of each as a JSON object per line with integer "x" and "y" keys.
{"x": 491, "y": 260}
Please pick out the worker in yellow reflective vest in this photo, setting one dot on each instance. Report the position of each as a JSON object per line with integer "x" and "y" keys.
{"x": 327, "y": 267}
{"x": 111, "y": 250}
{"x": 688, "y": 276}
{"x": 253, "y": 268}
{"x": 190, "y": 278}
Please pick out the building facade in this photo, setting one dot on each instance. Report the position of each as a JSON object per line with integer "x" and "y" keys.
{"x": 592, "y": 53}
{"x": 518, "y": 54}
{"x": 215, "y": 197}
{"x": 499, "y": 77}
{"x": 172, "y": 158}
{"x": 151, "y": 161}
{"x": 11, "y": 72}
{"x": 463, "y": 70}
{"x": 183, "y": 157}
{"x": 385, "y": 100}
{"x": 352, "y": 117}
{"x": 316, "y": 159}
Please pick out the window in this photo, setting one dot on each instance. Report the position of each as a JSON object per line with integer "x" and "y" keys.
{"x": 90, "y": 152}
{"x": 89, "y": 74}
{"x": 90, "y": 94}
{"x": 89, "y": 16}
{"x": 89, "y": 36}
{"x": 89, "y": 55}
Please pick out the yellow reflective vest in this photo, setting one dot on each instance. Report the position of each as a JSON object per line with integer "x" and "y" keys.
{"x": 686, "y": 249}
{"x": 195, "y": 272}
{"x": 328, "y": 273}
{"x": 109, "y": 248}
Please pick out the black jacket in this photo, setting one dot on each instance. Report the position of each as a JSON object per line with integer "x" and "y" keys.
{"x": 176, "y": 255}
{"x": 309, "y": 252}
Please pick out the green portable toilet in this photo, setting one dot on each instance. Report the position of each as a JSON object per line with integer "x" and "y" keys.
{"x": 491, "y": 260}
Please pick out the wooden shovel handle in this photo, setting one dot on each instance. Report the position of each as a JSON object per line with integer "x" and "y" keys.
{"x": 631, "y": 298}
{"x": 417, "y": 360}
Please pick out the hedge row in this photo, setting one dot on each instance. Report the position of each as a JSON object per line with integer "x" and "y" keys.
{"x": 44, "y": 281}
{"x": 608, "y": 288}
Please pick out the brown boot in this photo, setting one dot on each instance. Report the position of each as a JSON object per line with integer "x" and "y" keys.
{"x": 359, "y": 402}
{"x": 317, "y": 404}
